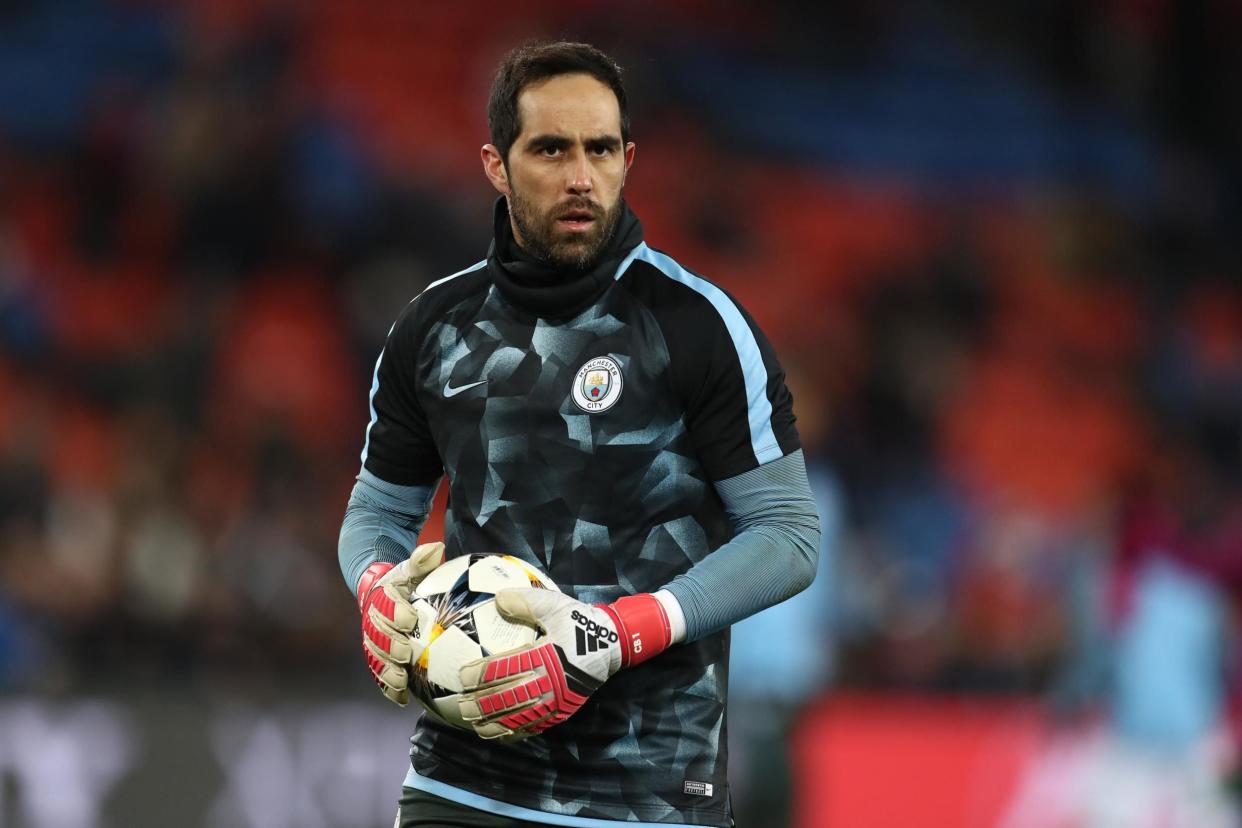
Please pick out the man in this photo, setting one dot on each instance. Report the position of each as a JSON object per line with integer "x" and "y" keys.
{"x": 616, "y": 420}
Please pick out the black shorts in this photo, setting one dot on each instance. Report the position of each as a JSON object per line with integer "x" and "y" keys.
{"x": 420, "y": 809}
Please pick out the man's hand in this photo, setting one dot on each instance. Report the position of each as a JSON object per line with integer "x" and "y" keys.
{"x": 388, "y": 618}
{"x": 527, "y": 691}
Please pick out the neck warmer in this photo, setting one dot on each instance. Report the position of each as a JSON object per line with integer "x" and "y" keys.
{"x": 544, "y": 289}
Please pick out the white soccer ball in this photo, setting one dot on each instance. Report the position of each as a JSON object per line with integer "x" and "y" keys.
{"x": 458, "y": 623}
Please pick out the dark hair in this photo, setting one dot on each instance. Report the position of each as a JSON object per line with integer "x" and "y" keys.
{"x": 538, "y": 61}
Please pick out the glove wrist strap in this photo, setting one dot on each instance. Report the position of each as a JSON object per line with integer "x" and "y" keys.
{"x": 642, "y": 625}
{"x": 372, "y": 574}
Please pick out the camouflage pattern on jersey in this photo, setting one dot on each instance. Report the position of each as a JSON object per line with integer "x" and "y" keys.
{"x": 608, "y": 504}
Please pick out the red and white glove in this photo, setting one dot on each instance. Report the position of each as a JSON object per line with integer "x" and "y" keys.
{"x": 388, "y": 617}
{"x": 527, "y": 691}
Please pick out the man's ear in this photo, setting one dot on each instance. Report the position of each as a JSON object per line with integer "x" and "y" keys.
{"x": 629, "y": 158}
{"x": 494, "y": 168}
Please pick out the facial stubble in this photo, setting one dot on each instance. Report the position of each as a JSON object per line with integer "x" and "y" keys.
{"x": 576, "y": 253}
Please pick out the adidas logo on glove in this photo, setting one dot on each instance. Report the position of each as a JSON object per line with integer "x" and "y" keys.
{"x": 590, "y": 636}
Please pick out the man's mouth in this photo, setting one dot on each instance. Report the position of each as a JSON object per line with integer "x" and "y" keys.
{"x": 576, "y": 220}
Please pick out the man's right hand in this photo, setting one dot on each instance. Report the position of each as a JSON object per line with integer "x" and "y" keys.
{"x": 388, "y": 618}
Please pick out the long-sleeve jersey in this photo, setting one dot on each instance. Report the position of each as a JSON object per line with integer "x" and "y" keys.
{"x": 595, "y": 429}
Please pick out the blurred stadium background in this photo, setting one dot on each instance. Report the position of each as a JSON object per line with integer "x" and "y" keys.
{"x": 996, "y": 244}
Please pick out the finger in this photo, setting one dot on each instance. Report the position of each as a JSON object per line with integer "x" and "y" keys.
{"x": 516, "y": 736}
{"x": 491, "y": 704}
{"x": 515, "y": 605}
{"x": 493, "y": 701}
{"x": 488, "y": 672}
{"x": 399, "y": 648}
{"x": 493, "y": 730}
{"x": 496, "y": 730}
{"x": 408, "y": 574}
{"x": 384, "y": 668}
{"x": 376, "y": 620}
{"x": 394, "y": 643}
{"x": 524, "y": 719}
{"x": 469, "y": 709}
{"x": 549, "y": 722}
{"x": 424, "y": 559}
{"x": 515, "y": 703}
{"x": 398, "y": 697}
{"x": 491, "y": 708}
{"x": 472, "y": 674}
{"x": 475, "y": 675}
{"x": 397, "y": 609}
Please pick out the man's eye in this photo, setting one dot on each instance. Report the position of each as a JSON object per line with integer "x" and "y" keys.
{"x": 550, "y": 152}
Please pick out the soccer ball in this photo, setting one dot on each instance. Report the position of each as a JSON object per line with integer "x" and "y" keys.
{"x": 458, "y": 623}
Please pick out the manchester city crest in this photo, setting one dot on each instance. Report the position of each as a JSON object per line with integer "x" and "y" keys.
{"x": 597, "y": 385}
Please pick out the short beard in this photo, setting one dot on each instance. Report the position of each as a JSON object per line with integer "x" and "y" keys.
{"x": 539, "y": 240}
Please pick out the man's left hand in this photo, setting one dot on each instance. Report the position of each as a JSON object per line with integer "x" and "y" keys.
{"x": 527, "y": 691}
{"x": 388, "y": 618}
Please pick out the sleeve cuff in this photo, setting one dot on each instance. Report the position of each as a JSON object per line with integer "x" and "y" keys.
{"x": 676, "y": 618}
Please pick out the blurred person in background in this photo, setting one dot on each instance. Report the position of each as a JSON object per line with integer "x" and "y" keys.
{"x": 1160, "y": 613}
{"x": 1177, "y": 586}
{"x": 783, "y": 657}
{"x": 611, "y": 417}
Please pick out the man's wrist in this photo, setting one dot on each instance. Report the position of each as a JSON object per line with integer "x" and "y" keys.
{"x": 676, "y": 617}
{"x": 642, "y": 625}
{"x": 370, "y": 575}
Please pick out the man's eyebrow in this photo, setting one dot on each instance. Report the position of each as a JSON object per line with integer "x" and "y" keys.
{"x": 610, "y": 142}
{"x": 550, "y": 141}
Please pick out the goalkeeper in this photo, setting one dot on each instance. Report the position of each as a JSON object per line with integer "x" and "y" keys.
{"x": 611, "y": 417}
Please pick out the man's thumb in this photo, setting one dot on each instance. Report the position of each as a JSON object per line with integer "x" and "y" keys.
{"x": 526, "y": 606}
{"x": 407, "y": 575}
{"x": 425, "y": 558}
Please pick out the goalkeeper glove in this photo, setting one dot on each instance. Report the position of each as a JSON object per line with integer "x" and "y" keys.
{"x": 388, "y": 617}
{"x": 527, "y": 691}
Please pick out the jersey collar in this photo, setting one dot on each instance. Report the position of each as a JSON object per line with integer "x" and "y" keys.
{"x": 543, "y": 290}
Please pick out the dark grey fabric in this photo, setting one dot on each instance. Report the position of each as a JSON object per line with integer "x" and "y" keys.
{"x": 419, "y": 809}
{"x": 772, "y": 557}
{"x": 475, "y": 384}
{"x": 382, "y": 522}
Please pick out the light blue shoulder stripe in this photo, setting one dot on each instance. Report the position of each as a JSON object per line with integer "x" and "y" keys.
{"x": 461, "y": 272}
{"x": 758, "y": 406}
{"x": 366, "y": 442}
{"x": 495, "y": 806}
{"x": 625, "y": 263}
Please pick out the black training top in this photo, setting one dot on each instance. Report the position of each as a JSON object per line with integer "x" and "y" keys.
{"x": 581, "y": 424}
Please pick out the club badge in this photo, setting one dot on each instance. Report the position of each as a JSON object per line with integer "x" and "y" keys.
{"x": 597, "y": 385}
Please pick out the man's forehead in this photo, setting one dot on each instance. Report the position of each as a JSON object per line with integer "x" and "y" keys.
{"x": 569, "y": 104}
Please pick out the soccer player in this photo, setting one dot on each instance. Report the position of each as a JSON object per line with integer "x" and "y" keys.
{"x": 616, "y": 419}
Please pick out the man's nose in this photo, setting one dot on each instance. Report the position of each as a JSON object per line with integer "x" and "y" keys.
{"x": 580, "y": 179}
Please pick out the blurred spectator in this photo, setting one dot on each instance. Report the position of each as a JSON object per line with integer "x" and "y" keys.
{"x": 782, "y": 658}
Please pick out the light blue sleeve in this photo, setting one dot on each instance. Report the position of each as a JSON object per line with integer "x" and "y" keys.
{"x": 772, "y": 557}
{"x": 382, "y": 522}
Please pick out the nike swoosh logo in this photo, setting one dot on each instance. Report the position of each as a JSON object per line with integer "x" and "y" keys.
{"x": 450, "y": 391}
